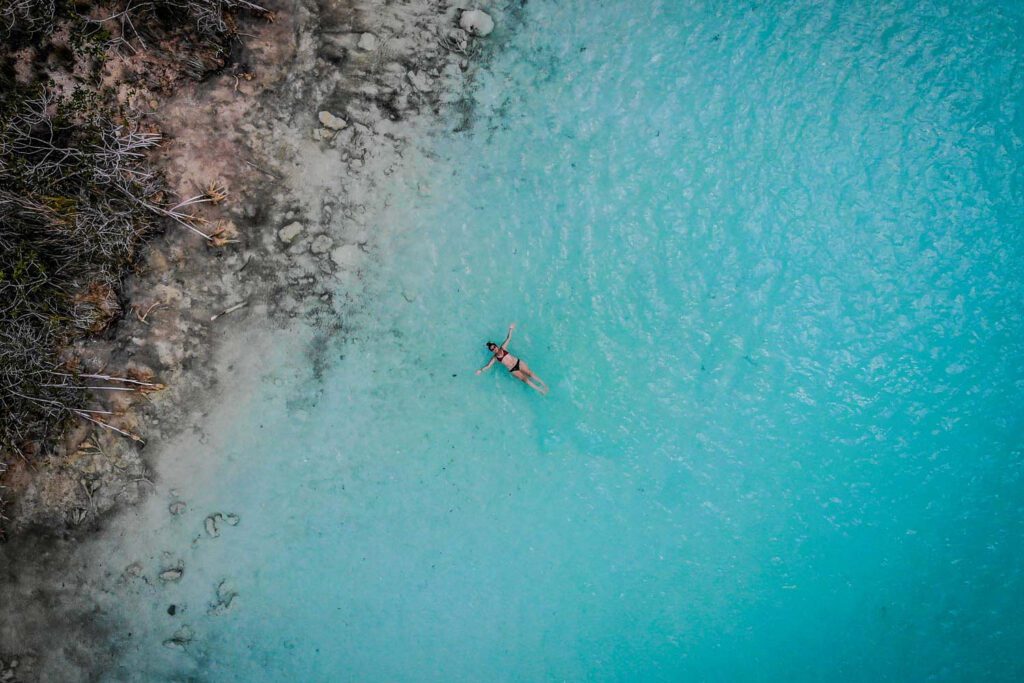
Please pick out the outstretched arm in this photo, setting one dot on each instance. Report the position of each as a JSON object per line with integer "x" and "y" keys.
{"x": 488, "y": 366}
{"x": 504, "y": 344}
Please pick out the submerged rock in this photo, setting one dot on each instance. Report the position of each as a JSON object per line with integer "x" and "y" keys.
{"x": 177, "y": 507}
{"x": 232, "y": 519}
{"x": 329, "y": 120}
{"x": 476, "y": 22}
{"x": 210, "y": 523}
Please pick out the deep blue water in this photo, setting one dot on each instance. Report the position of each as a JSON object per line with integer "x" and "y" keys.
{"x": 769, "y": 257}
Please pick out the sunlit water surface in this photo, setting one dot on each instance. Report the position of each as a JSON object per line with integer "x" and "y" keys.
{"x": 769, "y": 258}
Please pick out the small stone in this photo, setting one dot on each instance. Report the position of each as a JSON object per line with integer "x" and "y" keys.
{"x": 232, "y": 519}
{"x": 329, "y": 120}
{"x": 288, "y": 233}
{"x": 133, "y": 570}
{"x": 321, "y": 245}
{"x": 476, "y": 22}
{"x": 173, "y": 574}
{"x": 177, "y": 507}
{"x": 368, "y": 42}
{"x": 172, "y": 610}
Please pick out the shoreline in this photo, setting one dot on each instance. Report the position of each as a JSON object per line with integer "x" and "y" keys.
{"x": 391, "y": 90}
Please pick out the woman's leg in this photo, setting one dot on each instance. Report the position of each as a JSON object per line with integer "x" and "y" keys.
{"x": 525, "y": 379}
{"x": 530, "y": 375}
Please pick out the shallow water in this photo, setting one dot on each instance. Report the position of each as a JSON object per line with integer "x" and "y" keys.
{"x": 769, "y": 259}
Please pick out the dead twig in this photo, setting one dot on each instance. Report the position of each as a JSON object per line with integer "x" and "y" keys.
{"x": 107, "y": 425}
{"x": 232, "y": 309}
{"x": 142, "y": 317}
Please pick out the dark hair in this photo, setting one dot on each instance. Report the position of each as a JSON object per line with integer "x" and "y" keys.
{"x": 490, "y": 344}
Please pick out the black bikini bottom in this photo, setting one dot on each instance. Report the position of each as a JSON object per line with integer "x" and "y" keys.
{"x": 514, "y": 367}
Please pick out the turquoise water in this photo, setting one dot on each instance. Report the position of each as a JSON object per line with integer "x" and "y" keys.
{"x": 769, "y": 257}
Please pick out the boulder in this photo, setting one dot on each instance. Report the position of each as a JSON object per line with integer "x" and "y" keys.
{"x": 476, "y": 22}
{"x": 329, "y": 120}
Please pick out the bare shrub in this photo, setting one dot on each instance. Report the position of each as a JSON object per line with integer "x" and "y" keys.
{"x": 76, "y": 198}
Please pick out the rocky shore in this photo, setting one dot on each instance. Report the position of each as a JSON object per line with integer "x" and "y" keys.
{"x": 292, "y": 144}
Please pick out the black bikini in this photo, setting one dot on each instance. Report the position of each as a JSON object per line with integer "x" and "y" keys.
{"x": 511, "y": 369}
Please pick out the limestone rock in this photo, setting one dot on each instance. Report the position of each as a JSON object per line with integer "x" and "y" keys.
{"x": 329, "y": 120}
{"x": 177, "y": 507}
{"x": 321, "y": 245}
{"x": 288, "y": 233}
{"x": 476, "y": 22}
{"x": 232, "y": 519}
{"x": 368, "y": 42}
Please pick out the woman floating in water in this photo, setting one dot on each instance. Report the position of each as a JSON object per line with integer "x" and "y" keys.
{"x": 516, "y": 366}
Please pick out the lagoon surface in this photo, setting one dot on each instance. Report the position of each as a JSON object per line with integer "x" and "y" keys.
{"x": 770, "y": 259}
